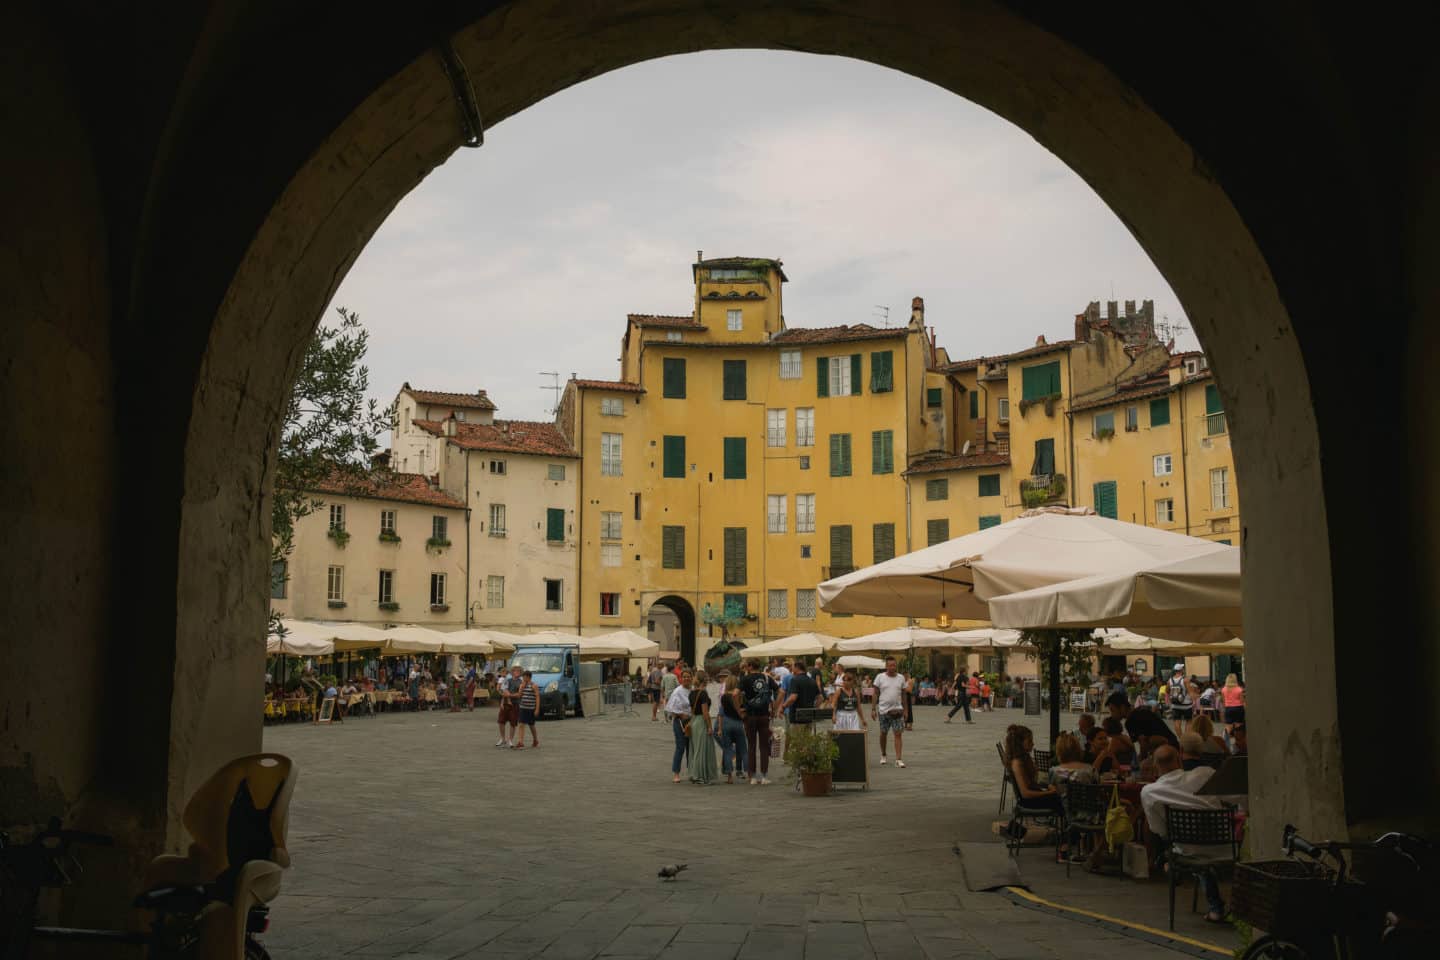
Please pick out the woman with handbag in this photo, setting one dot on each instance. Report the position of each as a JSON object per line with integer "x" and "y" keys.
{"x": 1019, "y": 744}
{"x": 703, "y": 768}
{"x": 677, "y": 708}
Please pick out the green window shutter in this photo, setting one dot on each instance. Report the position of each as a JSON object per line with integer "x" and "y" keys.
{"x": 734, "y": 458}
{"x": 933, "y": 397}
{"x": 672, "y": 548}
{"x": 936, "y": 531}
{"x": 882, "y": 451}
{"x": 737, "y": 605}
{"x": 554, "y": 525}
{"x": 1212, "y": 399}
{"x": 735, "y": 571}
{"x": 974, "y": 404}
{"x": 937, "y": 489}
{"x": 1044, "y": 458}
{"x": 991, "y": 521}
{"x": 1041, "y": 380}
{"x": 674, "y": 378}
{"x": 674, "y": 457}
{"x": 989, "y": 484}
{"x": 1159, "y": 411}
{"x": 734, "y": 379}
{"x": 1105, "y": 500}
{"x": 842, "y": 557}
{"x": 856, "y": 372}
{"x": 822, "y": 376}
{"x": 882, "y": 372}
{"x": 883, "y": 535}
{"x": 839, "y": 454}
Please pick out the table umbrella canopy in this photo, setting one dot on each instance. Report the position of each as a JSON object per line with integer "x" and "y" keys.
{"x": 898, "y": 640}
{"x": 482, "y": 642}
{"x": 301, "y": 639}
{"x": 1196, "y": 599}
{"x": 1125, "y": 642}
{"x": 859, "y": 661}
{"x": 413, "y": 640}
{"x": 1038, "y": 548}
{"x": 800, "y": 645}
{"x": 638, "y": 646}
{"x": 589, "y": 646}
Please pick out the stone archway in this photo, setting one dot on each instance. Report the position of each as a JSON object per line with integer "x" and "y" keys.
{"x": 684, "y": 616}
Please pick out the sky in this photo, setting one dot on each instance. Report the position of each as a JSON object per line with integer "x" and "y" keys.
{"x": 873, "y": 187}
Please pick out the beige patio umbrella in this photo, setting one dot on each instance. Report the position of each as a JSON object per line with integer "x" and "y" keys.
{"x": 301, "y": 639}
{"x": 800, "y": 645}
{"x": 859, "y": 661}
{"x": 413, "y": 640}
{"x": 958, "y": 578}
{"x": 1123, "y": 641}
{"x": 639, "y": 646}
{"x": 594, "y": 647}
{"x": 1196, "y": 599}
{"x": 898, "y": 640}
{"x": 481, "y": 642}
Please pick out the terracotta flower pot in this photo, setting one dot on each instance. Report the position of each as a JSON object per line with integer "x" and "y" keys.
{"x": 815, "y": 784}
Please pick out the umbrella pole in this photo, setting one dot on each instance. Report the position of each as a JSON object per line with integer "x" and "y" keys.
{"x": 1054, "y": 692}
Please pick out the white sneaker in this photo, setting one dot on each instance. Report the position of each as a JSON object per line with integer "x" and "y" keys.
{"x": 500, "y": 742}
{"x": 755, "y": 782}
{"x": 764, "y": 781}
{"x": 882, "y": 760}
{"x": 900, "y": 764}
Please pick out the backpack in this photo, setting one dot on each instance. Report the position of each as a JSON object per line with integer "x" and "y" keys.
{"x": 1179, "y": 696}
{"x": 757, "y": 690}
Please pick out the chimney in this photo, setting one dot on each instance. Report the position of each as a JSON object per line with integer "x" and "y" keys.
{"x": 1129, "y": 309}
{"x": 1040, "y": 341}
{"x": 1112, "y": 310}
{"x": 1082, "y": 326}
{"x": 699, "y": 255}
{"x": 917, "y": 311}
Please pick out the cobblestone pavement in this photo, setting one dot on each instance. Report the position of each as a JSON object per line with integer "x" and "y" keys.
{"x": 412, "y": 836}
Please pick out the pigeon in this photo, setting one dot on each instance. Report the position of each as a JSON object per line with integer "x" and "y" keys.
{"x": 672, "y": 870}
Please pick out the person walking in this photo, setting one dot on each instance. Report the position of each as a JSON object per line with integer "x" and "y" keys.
{"x": 1177, "y": 693}
{"x": 703, "y": 768}
{"x": 962, "y": 701}
{"x": 757, "y": 693}
{"x": 732, "y": 732}
{"x": 677, "y": 709}
{"x": 652, "y": 687}
{"x": 509, "y": 690}
{"x": 528, "y": 700}
{"x": 846, "y": 704}
{"x": 1232, "y": 696}
{"x": 472, "y": 680}
{"x": 889, "y": 708}
{"x": 804, "y": 692}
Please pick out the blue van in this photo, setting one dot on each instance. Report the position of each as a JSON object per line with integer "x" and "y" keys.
{"x": 555, "y": 669}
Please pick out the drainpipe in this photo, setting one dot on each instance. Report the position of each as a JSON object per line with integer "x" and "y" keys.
{"x": 1184, "y": 464}
{"x": 1070, "y": 427}
{"x": 580, "y": 511}
{"x": 905, "y": 363}
{"x": 467, "y": 540}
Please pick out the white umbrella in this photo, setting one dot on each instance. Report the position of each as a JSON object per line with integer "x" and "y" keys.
{"x": 589, "y": 646}
{"x": 1036, "y": 549}
{"x": 898, "y": 640}
{"x": 639, "y": 646}
{"x": 861, "y": 662}
{"x": 413, "y": 640}
{"x": 483, "y": 642}
{"x": 1196, "y": 599}
{"x": 302, "y": 639}
{"x": 800, "y": 645}
{"x": 1123, "y": 641}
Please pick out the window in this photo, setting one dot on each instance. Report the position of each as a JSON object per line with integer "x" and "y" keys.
{"x": 1159, "y": 411}
{"x": 936, "y": 531}
{"x": 609, "y": 604}
{"x": 804, "y": 463}
{"x": 839, "y": 454}
{"x": 497, "y": 519}
{"x": 838, "y": 376}
{"x": 555, "y": 525}
{"x": 842, "y": 554}
{"x": 805, "y": 551}
{"x": 736, "y": 574}
{"x": 385, "y": 590}
{"x": 674, "y": 336}
{"x": 279, "y": 577}
{"x": 495, "y": 592}
{"x": 804, "y": 604}
{"x": 804, "y": 513}
{"x": 734, "y": 379}
{"x": 733, "y": 321}
{"x": 1164, "y": 511}
{"x": 804, "y": 426}
{"x": 673, "y": 457}
{"x": 1002, "y": 409}
{"x": 387, "y": 522}
{"x": 987, "y": 522}
{"x": 882, "y": 451}
{"x": 1105, "y": 499}
{"x": 777, "y": 604}
{"x": 335, "y": 585}
{"x": 609, "y": 554}
{"x": 1163, "y": 465}
{"x": 437, "y": 589}
{"x": 610, "y": 465}
{"x": 612, "y": 407}
{"x": 974, "y": 404}
{"x": 672, "y": 548}
{"x": 775, "y": 428}
{"x": 460, "y": 415}
{"x": 882, "y": 537}
{"x": 882, "y": 372}
{"x": 610, "y": 521}
{"x": 637, "y": 506}
{"x": 1044, "y": 465}
{"x": 790, "y": 365}
{"x": 1214, "y": 414}
{"x": 1102, "y": 425}
{"x": 737, "y": 604}
{"x": 440, "y": 530}
{"x": 554, "y": 594}
{"x": 497, "y": 467}
{"x": 337, "y": 516}
{"x": 989, "y": 484}
{"x": 937, "y": 489}
{"x": 934, "y": 397}
{"x": 673, "y": 378}
{"x": 1220, "y": 488}
{"x": 776, "y": 510}
{"x": 734, "y": 458}
{"x": 1132, "y": 419}
{"x": 1040, "y": 381}
{"x": 556, "y": 471}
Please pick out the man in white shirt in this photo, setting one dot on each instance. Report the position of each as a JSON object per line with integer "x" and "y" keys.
{"x": 889, "y": 708}
{"x": 1175, "y": 787}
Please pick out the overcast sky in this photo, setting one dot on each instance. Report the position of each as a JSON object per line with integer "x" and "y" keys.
{"x": 874, "y": 187}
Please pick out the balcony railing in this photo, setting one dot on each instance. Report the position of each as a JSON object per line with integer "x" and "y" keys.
{"x": 1214, "y": 424}
{"x": 1036, "y": 491}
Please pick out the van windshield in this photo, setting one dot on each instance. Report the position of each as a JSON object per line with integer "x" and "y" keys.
{"x": 539, "y": 662}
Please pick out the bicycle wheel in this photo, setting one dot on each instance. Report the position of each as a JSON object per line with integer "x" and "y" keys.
{"x": 1270, "y": 948}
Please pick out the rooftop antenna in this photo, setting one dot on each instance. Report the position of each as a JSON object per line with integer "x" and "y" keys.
{"x": 1167, "y": 330}
{"x": 883, "y": 313}
{"x": 554, "y": 386}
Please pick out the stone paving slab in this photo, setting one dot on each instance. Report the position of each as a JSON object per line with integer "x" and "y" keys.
{"x": 412, "y": 837}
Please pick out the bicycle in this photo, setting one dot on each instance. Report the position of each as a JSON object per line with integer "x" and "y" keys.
{"x": 1317, "y": 908}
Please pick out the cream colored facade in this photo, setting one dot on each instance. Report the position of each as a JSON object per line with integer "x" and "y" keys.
{"x": 414, "y": 450}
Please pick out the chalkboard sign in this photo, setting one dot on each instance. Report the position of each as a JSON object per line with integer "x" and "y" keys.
{"x": 1032, "y": 698}
{"x": 1077, "y": 700}
{"x": 813, "y": 714}
{"x": 327, "y": 710}
{"x": 851, "y": 766}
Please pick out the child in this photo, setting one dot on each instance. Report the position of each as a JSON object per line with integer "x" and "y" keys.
{"x": 529, "y": 706}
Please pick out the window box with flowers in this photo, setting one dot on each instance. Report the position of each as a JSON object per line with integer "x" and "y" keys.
{"x": 389, "y": 536}
{"x": 436, "y": 543}
{"x": 439, "y": 608}
{"x": 336, "y": 604}
{"x": 389, "y": 605}
{"x": 340, "y": 535}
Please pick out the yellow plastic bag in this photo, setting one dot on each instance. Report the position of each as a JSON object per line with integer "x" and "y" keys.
{"x": 1118, "y": 827}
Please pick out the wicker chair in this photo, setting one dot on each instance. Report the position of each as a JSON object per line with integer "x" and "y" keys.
{"x": 1210, "y": 828}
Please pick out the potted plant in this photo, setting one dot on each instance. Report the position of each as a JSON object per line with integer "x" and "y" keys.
{"x": 811, "y": 758}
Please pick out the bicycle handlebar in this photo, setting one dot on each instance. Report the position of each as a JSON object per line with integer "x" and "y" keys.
{"x": 1291, "y": 841}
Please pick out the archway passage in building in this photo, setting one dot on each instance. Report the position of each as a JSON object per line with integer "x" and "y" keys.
{"x": 672, "y": 625}
{"x": 193, "y": 345}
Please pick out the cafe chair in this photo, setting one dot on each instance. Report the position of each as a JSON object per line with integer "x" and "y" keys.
{"x": 1199, "y": 841}
{"x": 1004, "y": 777}
{"x": 1044, "y": 760}
{"x": 1086, "y": 806}
{"x": 1035, "y": 816}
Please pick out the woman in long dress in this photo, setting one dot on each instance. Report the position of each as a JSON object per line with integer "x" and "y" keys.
{"x": 704, "y": 768}
{"x": 846, "y": 704}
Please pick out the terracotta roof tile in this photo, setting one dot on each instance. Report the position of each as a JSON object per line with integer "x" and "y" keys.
{"x": 1142, "y": 392}
{"x": 464, "y": 401}
{"x": 860, "y": 331}
{"x": 1040, "y": 349}
{"x": 506, "y": 436}
{"x": 656, "y": 320}
{"x": 959, "y": 462}
{"x": 960, "y": 366}
{"x": 403, "y": 487}
{"x": 619, "y": 385}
